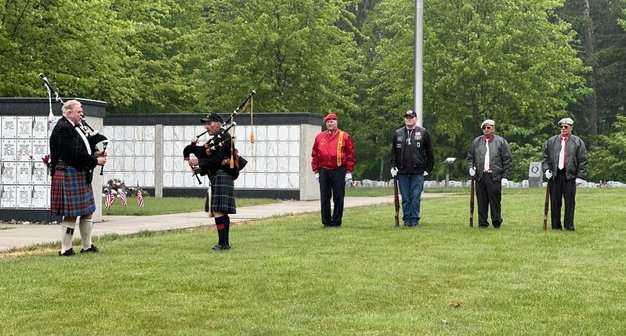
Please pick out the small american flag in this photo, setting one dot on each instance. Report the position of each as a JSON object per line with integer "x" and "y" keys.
{"x": 108, "y": 201}
{"x": 122, "y": 196}
{"x": 139, "y": 198}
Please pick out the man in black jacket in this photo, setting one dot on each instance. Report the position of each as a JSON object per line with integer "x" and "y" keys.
{"x": 411, "y": 160}
{"x": 220, "y": 200}
{"x": 564, "y": 165}
{"x": 72, "y": 164}
{"x": 490, "y": 162}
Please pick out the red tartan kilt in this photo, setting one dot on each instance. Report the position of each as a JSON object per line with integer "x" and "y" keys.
{"x": 70, "y": 195}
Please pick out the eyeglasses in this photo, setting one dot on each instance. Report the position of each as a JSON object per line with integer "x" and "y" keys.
{"x": 487, "y": 127}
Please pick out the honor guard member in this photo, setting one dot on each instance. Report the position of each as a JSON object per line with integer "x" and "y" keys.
{"x": 220, "y": 201}
{"x": 72, "y": 162}
{"x": 564, "y": 165}
{"x": 411, "y": 159}
{"x": 490, "y": 162}
{"x": 332, "y": 160}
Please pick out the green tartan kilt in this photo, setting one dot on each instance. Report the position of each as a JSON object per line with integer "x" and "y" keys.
{"x": 221, "y": 197}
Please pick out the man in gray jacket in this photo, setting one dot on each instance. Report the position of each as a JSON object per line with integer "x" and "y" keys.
{"x": 564, "y": 165}
{"x": 490, "y": 163}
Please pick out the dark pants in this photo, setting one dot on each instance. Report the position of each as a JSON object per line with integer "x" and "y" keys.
{"x": 489, "y": 195}
{"x": 562, "y": 189}
{"x": 332, "y": 184}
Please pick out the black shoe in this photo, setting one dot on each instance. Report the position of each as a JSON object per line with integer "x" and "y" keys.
{"x": 219, "y": 247}
{"x": 570, "y": 229}
{"x": 92, "y": 249}
{"x": 67, "y": 253}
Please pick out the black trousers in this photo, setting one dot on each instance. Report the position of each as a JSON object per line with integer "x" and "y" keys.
{"x": 489, "y": 196}
{"x": 562, "y": 189}
{"x": 332, "y": 184}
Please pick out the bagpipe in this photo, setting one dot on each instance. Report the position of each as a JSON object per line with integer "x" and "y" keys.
{"x": 202, "y": 152}
{"x": 93, "y": 136}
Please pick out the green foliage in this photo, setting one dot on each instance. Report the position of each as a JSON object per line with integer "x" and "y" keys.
{"x": 607, "y": 160}
{"x": 126, "y": 53}
{"x": 608, "y": 61}
{"x": 294, "y": 53}
{"x": 523, "y": 155}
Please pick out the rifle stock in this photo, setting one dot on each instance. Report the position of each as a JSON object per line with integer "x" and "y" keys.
{"x": 546, "y": 206}
{"x": 472, "y": 191}
{"x": 396, "y": 200}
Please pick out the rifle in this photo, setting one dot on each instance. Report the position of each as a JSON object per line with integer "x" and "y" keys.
{"x": 396, "y": 200}
{"x": 471, "y": 218}
{"x": 546, "y": 206}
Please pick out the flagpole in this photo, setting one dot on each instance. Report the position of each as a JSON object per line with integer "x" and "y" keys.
{"x": 418, "y": 92}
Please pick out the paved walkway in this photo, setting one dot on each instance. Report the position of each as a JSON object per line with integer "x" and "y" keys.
{"x": 23, "y": 235}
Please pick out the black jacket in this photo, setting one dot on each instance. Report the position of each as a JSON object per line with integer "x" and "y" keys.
{"x": 500, "y": 158}
{"x": 210, "y": 164}
{"x": 68, "y": 146}
{"x": 576, "y": 166}
{"x": 414, "y": 158}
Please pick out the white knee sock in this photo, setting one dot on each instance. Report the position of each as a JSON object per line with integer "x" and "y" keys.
{"x": 68, "y": 233}
{"x": 85, "y": 225}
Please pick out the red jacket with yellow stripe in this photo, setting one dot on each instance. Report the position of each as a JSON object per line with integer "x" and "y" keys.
{"x": 332, "y": 150}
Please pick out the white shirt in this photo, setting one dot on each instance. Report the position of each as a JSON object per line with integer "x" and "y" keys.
{"x": 487, "y": 163}
{"x": 562, "y": 154}
{"x": 82, "y": 135}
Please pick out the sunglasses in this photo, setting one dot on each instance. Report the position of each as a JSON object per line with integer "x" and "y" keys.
{"x": 564, "y": 126}
{"x": 487, "y": 127}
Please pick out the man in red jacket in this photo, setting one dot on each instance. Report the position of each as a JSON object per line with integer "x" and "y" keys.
{"x": 332, "y": 162}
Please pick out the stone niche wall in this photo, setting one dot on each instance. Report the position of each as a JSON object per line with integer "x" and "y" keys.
{"x": 146, "y": 150}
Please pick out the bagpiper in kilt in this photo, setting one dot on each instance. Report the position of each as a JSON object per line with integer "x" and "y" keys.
{"x": 72, "y": 162}
{"x": 220, "y": 201}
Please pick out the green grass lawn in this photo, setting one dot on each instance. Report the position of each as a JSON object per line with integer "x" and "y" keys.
{"x": 288, "y": 276}
{"x": 169, "y": 205}
{"x": 368, "y": 191}
{"x": 384, "y": 191}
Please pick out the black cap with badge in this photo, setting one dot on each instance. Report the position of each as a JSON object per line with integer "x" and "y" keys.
{"x": 212, "y": 117}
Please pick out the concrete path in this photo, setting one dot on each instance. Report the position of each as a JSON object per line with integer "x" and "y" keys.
{"x": 23, "y": 235}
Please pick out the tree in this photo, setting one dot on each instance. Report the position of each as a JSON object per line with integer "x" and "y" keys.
{"x": 294, "y": 53}
{"x": 602, "y": 50}
{"x": 606, "y": 161}
{"x": 45, "y": 37}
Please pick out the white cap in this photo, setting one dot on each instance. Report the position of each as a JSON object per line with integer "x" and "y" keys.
{"x": 568, "y": 121}
{"x": 488, "y": 122}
